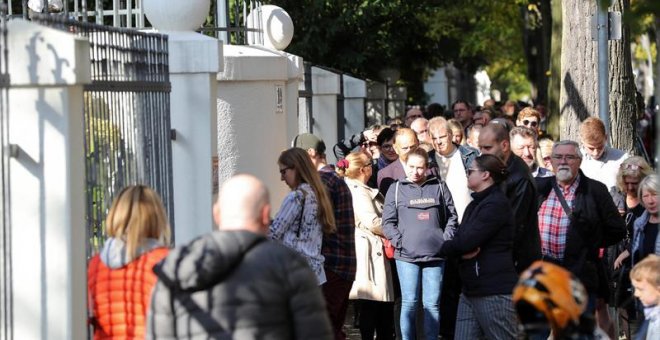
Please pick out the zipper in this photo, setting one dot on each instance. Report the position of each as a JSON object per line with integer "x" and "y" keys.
{"x": 476, "y": 267}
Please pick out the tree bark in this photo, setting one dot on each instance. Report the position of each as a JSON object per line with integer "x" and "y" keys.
{"x": 623, "y": 107}
{"x": 554, "y": 83}
{"x": 536, "y": 43}
{"x": 579, "y": 67}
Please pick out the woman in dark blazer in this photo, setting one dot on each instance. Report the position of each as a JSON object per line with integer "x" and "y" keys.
{"x": 484, "y": 240}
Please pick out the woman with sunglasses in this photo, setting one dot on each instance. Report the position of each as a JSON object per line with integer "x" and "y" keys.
{"x": 484, "y": 242}
{"x": 306, "y": 213}
{"x": 120, "y": 278}
{"x": 419, "y": 215}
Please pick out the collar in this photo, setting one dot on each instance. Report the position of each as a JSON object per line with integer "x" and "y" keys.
{"x": 652, "y": 312}
{"x": 478, "y": 196}
{"x": 603, "y": 157}
{"x": 573, "y": 186}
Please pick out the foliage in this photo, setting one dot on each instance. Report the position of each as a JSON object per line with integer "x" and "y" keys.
{"x": 366, "y": 36}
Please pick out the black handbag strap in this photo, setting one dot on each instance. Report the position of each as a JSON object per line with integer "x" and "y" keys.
{"x": 562, "y": 200}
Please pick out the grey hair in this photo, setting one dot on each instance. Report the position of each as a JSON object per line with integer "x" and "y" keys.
{"x": 568, "y": 142}
{"x": 649, "y": 183}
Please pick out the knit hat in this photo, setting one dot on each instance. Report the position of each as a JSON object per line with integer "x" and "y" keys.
{"x": 307, "y": 141}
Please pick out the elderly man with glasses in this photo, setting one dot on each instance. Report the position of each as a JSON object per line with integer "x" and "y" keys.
{"x": 576, "y": 218}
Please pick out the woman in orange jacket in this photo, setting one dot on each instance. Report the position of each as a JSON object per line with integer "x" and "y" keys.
{"x": 120, "y": 278}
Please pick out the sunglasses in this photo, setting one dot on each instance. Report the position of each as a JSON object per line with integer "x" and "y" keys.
{"x": 470, "y": 171}
{"x": 630, "y": 166}
{"x": 531, "y": 123}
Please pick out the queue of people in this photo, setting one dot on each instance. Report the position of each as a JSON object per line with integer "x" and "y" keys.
{"x": 432, "y": 230}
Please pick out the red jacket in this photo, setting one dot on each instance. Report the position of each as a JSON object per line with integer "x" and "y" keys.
{"x": 119, "y": 298}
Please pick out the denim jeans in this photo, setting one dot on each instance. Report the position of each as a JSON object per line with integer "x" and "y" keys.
{"x": 429, "y": 276}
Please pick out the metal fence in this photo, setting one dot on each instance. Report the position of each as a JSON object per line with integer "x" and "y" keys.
{"x": 6, "y": 282}
{"x": 229, "y": 20}
{"x": 126, "y": 119}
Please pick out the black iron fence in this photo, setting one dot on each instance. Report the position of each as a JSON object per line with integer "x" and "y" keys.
{"x": 6, "y": 282}
{"x": 126, "y": 119}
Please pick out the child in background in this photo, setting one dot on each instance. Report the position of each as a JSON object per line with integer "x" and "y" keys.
{"x": 645, "y": 278}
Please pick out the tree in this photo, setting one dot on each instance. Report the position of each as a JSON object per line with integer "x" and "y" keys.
{"x": 579, "y": 69}
{"x": 554, "y": 83}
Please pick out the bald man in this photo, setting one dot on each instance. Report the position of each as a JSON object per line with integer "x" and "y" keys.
{"x": 405, "y": 141}
{"x": 234, "y": 283}
{"x": 520, "y": 189}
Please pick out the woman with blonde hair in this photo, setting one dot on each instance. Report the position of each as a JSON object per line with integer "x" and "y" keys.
{"x": 306, "y": 213}
{"x": 120, "y": 278}
{"x": 373, "y": 285}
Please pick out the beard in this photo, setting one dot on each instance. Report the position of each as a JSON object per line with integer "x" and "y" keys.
{"x": 564, "y": 174}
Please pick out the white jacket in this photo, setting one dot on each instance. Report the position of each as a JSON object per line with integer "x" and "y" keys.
{"x": 373, "y": 277}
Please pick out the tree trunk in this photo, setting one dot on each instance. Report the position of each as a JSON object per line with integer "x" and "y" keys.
{"x": 579, "y": 67}
{"x": 623, "y": 107}
{"x": 536, "y": 43}
{"x": 554, "y": 84}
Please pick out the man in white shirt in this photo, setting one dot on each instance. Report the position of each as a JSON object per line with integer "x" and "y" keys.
{"x": 451, "y": 161}
{"x": 600, "y": 162}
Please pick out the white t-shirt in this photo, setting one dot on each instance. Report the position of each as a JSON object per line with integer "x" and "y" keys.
{"x": 453, "y": 172}
{"x": 604, "y": 169}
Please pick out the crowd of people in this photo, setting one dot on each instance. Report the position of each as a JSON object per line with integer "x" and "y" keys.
{"x": 462, "y": 228}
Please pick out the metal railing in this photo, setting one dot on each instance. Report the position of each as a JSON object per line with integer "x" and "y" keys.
{"x": 126, "y": 117}
{"x": 231, "y": 20}
{"x": 6, "y": 280}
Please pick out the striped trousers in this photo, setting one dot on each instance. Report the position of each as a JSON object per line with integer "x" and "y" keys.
{"x": 486, "y": 317}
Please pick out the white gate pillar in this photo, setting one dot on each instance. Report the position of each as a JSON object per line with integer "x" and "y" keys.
{"x": 48, "y": 68}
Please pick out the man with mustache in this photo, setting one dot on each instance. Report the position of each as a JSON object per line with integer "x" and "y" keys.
{"x": 576, "y": 218}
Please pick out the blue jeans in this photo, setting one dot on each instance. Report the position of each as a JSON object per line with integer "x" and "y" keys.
{"x": 430, "y": 274}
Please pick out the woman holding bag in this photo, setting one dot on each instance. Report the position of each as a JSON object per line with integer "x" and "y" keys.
{"x": 373, "y": 285}
{"x": 306, "y": 213}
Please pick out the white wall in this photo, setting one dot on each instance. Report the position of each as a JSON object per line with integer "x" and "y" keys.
{"x": 326, "y": 89}
{"x": 355, "y": 93}
{"x": 252, "y": 130}
{"x": 48, "y": 68}
{"x": 437, "y": 86}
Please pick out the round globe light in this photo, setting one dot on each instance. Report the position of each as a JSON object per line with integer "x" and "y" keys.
{"x": 176, "y": 15}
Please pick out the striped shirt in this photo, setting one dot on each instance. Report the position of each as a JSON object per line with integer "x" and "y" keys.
{"x": 299, "y": 229}
{"x": 339, "y": 248}
{"x": 554, "y": 223}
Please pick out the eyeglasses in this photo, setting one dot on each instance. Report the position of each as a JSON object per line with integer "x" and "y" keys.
{"x": 386, "y": 147}
{"x": 547, "y": 158}
{"x": 282, "y": 171}
{"x": 568, "y": 158}
{"x": 470, "y": 171}
{"x": 531, "y": 123}
{"x": 630, "y": 167}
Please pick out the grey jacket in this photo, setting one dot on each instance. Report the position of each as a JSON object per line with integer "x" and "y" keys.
{"x": 236, "y": 285}
{"x": 418, "y": 219}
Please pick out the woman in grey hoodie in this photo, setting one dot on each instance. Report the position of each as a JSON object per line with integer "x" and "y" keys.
{"x": 419, "y": 215}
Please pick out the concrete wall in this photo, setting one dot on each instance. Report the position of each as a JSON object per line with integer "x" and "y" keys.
{"x": 355, "y": 94}
{"x": 255, "y": 107}
{"x": 48, "y": 68}
{"x": 194, "y": 62}
{"x": 326, "y": 88}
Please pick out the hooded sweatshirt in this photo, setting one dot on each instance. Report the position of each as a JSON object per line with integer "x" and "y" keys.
{"x": 236, "y": 284}
{"x": 120, "y": 290}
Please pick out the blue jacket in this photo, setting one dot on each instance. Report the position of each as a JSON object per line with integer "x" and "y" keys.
{"x": 417, "y": 219}
{"x": 638, "y": 236}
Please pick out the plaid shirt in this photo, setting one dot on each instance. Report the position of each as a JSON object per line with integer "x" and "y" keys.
{"x": 339, "y": 248}
{"x": 554, "y": 223}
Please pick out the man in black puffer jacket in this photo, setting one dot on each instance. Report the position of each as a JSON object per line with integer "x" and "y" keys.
{"x": 234, "y": 283}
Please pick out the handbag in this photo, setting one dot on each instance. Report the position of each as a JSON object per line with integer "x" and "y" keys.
{"x": 388, "y": 248}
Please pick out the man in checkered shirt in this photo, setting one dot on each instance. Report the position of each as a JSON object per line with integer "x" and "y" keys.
{"x": 572, "y": 234}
